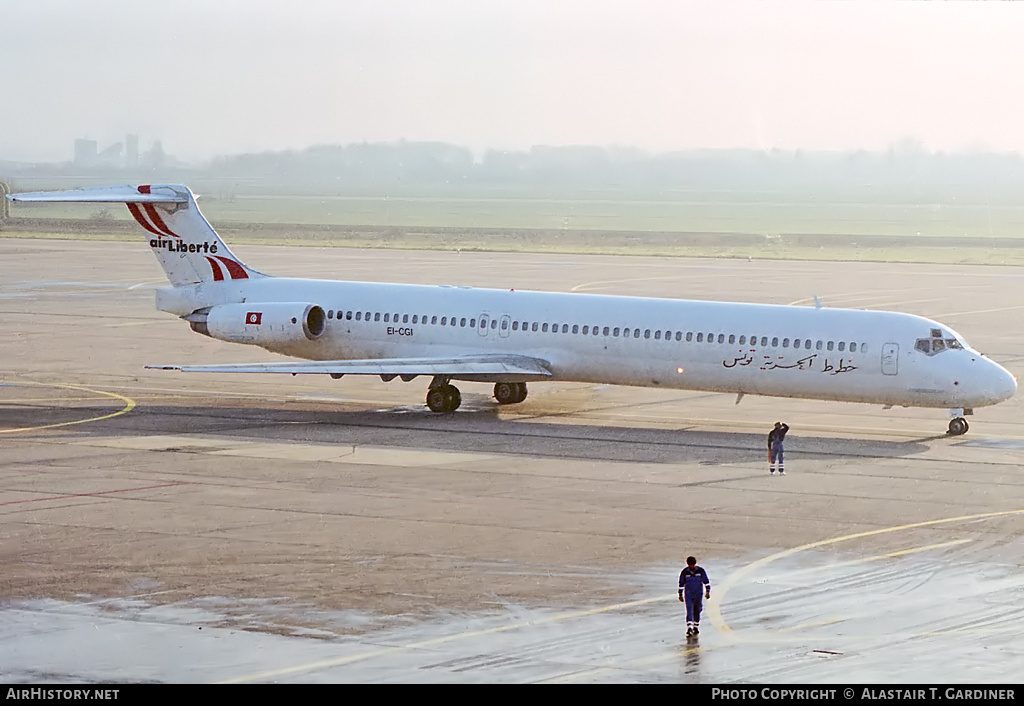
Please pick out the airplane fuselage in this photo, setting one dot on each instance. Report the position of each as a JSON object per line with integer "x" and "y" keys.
{"x": 783, "y": 351}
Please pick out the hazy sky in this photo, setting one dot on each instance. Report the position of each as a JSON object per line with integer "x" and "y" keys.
{"x": 214, "y": 77}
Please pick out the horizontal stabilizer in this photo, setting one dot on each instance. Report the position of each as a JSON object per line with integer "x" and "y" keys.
{"x": 125, "y": 193}
{"x": 510, "y": 368}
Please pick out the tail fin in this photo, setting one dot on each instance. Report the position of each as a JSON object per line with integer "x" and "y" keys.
{"x": 188, "y": 248}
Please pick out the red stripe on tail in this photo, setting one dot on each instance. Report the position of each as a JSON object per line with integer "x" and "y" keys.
{"x": 218, "y": 274}
{"x": 134, "y": 209}
{"x": 157, "y": 221}
{"x": 235, "y": 268}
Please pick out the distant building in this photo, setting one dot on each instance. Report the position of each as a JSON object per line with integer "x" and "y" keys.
{"x": 85, "y": 153}
{"x": 131, "y": 151}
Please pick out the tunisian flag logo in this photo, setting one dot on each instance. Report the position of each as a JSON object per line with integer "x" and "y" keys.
{"x": 254, "y": 317}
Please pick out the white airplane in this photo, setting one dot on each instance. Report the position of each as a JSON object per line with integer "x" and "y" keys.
{"x": 513, "y": 337}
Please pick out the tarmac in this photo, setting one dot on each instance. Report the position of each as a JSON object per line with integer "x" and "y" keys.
{"x": 165, "y": 527}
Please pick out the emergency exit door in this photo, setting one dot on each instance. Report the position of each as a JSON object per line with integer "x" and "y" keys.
{"x": 890, "y": 358}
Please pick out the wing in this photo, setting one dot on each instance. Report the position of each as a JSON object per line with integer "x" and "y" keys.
{"x": 478, "y": 368}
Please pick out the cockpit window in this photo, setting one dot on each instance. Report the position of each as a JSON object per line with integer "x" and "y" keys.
{"x": 936, "y": 344}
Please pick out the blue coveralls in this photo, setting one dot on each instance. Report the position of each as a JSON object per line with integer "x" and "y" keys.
{"x": 776, "y": 451}
{"x": 692, "y": 584}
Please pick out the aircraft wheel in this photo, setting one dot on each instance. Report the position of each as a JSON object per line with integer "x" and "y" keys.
{"x": 452, "y": 398}
{"x": 436, "y": 399}
{"x": 958, "y": 426}
{"x": 522, "y": 392}
{"x": 506, "y": 392}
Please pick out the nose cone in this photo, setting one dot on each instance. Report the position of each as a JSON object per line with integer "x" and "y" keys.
{"x": 1000, "y": 385}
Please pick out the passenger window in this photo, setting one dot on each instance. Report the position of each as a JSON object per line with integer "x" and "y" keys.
{"x": 515, "y": 326}
{"x": 853, "y": 347}
{"x": 689, "y": 336}
{"x": 348, "y": 316}
{"x": 679, "y": 335}
{"x": 444, "y": 320}
{"x": 743, "y": 340}
{"x": 700, "y": 338}
{"x": 594, "y": 331}
{"x": 807, "y": 344}
{"x": 863, "y": 348}
{"x": 647, "y": 333}
{"x": 829, "y": 346}
{"x": 565, "y": 328}
{"x": 433, "y": 321}
{"x": 615, "y": 333}
{"x": 605, "y": 331}
{"x": 405, "y": 318}
{"x": 366, "y": 316}
{"x": 387, "y": 318}
{"x": 842, "y": 346}
{"x": 657, "y": 335}
{"x": 544, "y": 328}
{"x": 775, "y": 342}
{"x": 462, "y": 321}
{"x": 796, "y": 342}
{"x": 817, "y": 346}
{"x": 376, "y": 316}
{"x": 494, "y": 323}
{"x": 721, "y": 338}
{"x": 711, "y": 338}
{"x": 586, "y": 330}
{"x": 472, "y": 323}
{"x": 764, "y": 341}
{"x": 415, "y": 318}
{"x": 732, "y": 338}
{"x": 534, "y": 326}
{"x": 330, "y": 314}
{"x": 575, "y": 328}
{"x": 636, "y": 333}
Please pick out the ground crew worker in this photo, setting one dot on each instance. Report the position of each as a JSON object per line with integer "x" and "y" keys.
{"x": 691, "y": 580}
{"x": 775, "y": 450}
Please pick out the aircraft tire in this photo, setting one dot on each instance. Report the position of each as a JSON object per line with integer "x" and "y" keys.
{"x": 452, "y": 398}
{"x": 506, "y": 392}
{"x": 521, "y": 395}
{"x": 436, "y": 399}
{"x": 958, "y": 427}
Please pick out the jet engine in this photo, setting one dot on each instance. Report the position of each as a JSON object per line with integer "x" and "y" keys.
{"x": 261, "y": 323}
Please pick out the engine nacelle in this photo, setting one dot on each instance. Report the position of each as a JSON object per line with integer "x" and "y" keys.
{"x": 262, "y": 323}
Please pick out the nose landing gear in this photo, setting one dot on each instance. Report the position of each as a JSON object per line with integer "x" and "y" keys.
{"x": 957, "y": 427}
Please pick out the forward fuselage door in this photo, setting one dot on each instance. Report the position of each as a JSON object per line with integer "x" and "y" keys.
{"x": 890, "y": 358}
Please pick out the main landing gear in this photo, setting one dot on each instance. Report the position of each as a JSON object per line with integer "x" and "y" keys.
{"x": 442, "y": 396}
{"x": 510, "y": 392}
